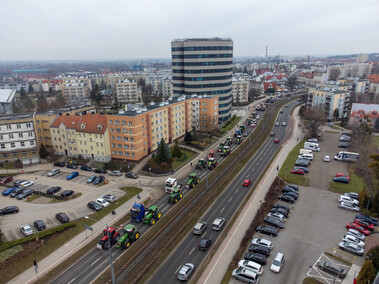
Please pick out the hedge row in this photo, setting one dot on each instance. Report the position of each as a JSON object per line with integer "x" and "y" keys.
{"x": 42, "y": 234}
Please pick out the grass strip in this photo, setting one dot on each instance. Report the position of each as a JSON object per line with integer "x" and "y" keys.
{"x": 228, "y": 125}
{"x": 186, "y": 156}
{"x": 356, "y": 184}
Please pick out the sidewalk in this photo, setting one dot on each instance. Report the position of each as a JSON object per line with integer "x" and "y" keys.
{"x": 75, "y": 244}
{"x": 219, "y": 263}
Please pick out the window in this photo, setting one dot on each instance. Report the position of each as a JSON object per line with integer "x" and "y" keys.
{"x": 118, "y": 145}
{"x": 131, "y": 139}
{"x": 9, "y": 126}
{"x": 1, "y": 137}
{"x": 111, "y": 122}
{"x": 129, "y": 123}
{"x": 112, "y": 137}
{"x": 113, "y": 145}
{"x": 18, "y": 126}
{"x": 10, "y": 136}
{"x": 23, "y": 153}
{"x": 118, "y": 138}
{"x": 123, "y": 122}
{"x": 20, "y": 135}
{"x": 2, "y": 146}
{"x": 113, "y": 152}
{"x": 22, "y": 144}
{"x": 130, "y": 131}
{"x": 119, "y": 153}
{"x": 30, "y": 134}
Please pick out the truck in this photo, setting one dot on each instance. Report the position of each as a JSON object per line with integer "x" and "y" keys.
{"x": 114, "y": 236}
{"x": 346, "y": 156}
{"x": 201, "y": 164}
{"x": 311, "y": 146}
{"x": 238, "y": 132}
{"x": 152, "y": 215}
{"x": 137, "y": 212}
{"x": 170, "y": 184}
{"x": 131, "y": 234}
{"x": 193, "y": 180}
{"x": 176, "y": 195}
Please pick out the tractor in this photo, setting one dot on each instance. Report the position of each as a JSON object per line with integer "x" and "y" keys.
{"x": 131, "y": 235}
{"x": 239, "y": 139}
{"x": 137, "y": 212}
{"x": 212, "y": 163}
{"x": 248, "y": 121}
{"x": 228, "y": 141}
{"x": 193, "y": 180}
{"x": 175, "y": 196}
{"x": 114, "y": 236}
{"x": 211, "y": 154}
{"x": 201, "y": 164}
{"x": 238, "y": 132}
{"x": 243, "y": 129}
{"x": 152, "y": 215}
{"x": 221, "y": 146}
{"x": 226, "y": 151}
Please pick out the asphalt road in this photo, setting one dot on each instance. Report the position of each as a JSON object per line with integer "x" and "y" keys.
{"x": 93, "y": 263}
{"x": 224, "y": 206}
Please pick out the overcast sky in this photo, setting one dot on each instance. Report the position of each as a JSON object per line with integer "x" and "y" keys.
{"x": 121, "y": 29}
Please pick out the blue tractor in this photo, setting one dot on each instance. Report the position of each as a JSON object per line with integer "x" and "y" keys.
{"x": 137, "y": 213}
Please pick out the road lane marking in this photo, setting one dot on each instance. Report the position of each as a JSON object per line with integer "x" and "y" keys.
{"x": 230, "y": 199}
{"x": 204, "y": 234}
{"x": 176, "y": 272}
{"x": 191, "y": 251}
{"x": 71, "y": 281}
{"x": 222, "y": 209}
{"x": 95, "y": 261}
{"x": 237, "y": 190}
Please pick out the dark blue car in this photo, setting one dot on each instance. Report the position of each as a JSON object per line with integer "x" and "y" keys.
{"x": 8, "y": 191}
{"x": 72, "y": 175}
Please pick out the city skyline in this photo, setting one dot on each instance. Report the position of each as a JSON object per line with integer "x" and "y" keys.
{"x": 95, "y": 30}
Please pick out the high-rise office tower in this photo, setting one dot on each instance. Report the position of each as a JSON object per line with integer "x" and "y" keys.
{"x": 204, "y": 66}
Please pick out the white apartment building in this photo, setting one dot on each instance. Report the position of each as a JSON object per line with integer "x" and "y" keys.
{"x": 240, "y": 90}
{"x": 128, "y": 92}
{"x": 74, "y": 89}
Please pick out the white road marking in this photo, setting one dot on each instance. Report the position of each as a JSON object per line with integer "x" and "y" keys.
{"x": 230, "y": 199}
{"x": 95, "y": 261}
{"x": 222, "y": 209}
{"x": 191, "y": 251}
{"x": 71, "y": 280}
{"x": 237, "y": 190}
{"x": 176, "y": 272}
{"x": 204, "y": 235}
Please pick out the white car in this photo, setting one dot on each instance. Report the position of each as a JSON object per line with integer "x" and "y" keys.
{"x": 327, "y": 158}
{"x": 102, "y": 202}
{"x": 109, "y": 198}
{"x": 284, "y": 123}
{"x": 26, "y": 230}
{"x": 357, "y": 234}
{"x": 218, "y": 223}
{"x": 313, "y": 140}
{"x": 348, "y": 206}
{"x": 348, "y": 200}
{"x": 278, "y": 216}
{"x": 262, "y": 242}
{"x": 352, "y": 239}
{"x": 251, "y": 265}
{"x": 277, "y": 123}
{"x": 277, "y": 263}
{"x": 115, "y": 173}
{"x": 53, "y": 172}
{"x": 26, "y": 183}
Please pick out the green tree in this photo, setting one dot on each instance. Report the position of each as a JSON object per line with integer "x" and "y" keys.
{"x": 18, "y": 164}
{"x": 373, "y": 255}
{"x": 336, "y": 113}
{"x": 375, "y": 164}
{"x": 43, "y": 153}
{"x": 176, "y": 151}
{"x": 30, "y": 88}
{"x": 367, "y": 273}
{"x": 103, "y": 86}
{"x": 188, "y": 137}
{"x": 22, "y": 92}
{"x": 163, "y": 154}
{"x": 195, "y": 137}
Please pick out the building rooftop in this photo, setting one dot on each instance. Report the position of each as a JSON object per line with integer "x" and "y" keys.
{"x": 203, "y": 39}
{"x": 16, "y": 116}
{"x": 7, "y": 95}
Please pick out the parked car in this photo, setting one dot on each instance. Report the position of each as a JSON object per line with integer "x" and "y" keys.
{"x": 288, "y": 189}
{"x": 94, "y": 206}
{"x": 53, "y": 189}
{"x": 357, "y": 234}
{"x": 26, "y": 230}
{"x": 245, "y": 275}
{"x": 131, "y": 175}
{"x": 278, "y": 216}
{"x": 86, "y": 168}
{"x": 6, "y": 179}
{"x": 353, "y": 195}
{"x": 348, "y": 206}
{"x": 26, "y": 183}
{"x": 351, "y": 247}
{"x": 115, "y": 173}
{"x": 292, "y": 194}
{"x": 256, "y": 257}
{"x": 9, "y": 210}
{"x": 358, "y": 228}
{"x": 100, "y": 171}
{"x": 72, "y": 166}
{"x": 286, "y": 198}
{"x": 53, "y": 172}
{"x": 185, "y": 271}
{"x": 301, "y": 163}
{"x": 108, "y": 197}
{"x": 353, "y": 239}
{"x": 262, "y": 242}
{"x": 326, "y": 158}
{"x": 313, "y": 140}
{"x": 17, "y": 183}
{"x": 297, "y": 171}
{"x": 251, "y": 265}
{"x": 367, "y": 219}
{"x": 273, "y": 222}
{"x": 72, "y": 175}
{"x": 280, "y": 205}
{"x": 347, "y": 199}
{"x": 25, "y": 193}
{"x": 62, "y": 217}
{"x": 341, "y": 179}
{"x": 99, "y": 180}
{"x": 59, "y": 164}
{"x": 366, "y": 225}
{"x": 259, "y": 249}
{"x": 344, "y": 139}
{"x": 8, "y": 191}
{"x": 218, "y": 223}
{"x": 17, "y": 191}
{"x": 205, "y": 243}
{"x": 91, "y": 179}
{"x": 102, "y": 202}
{"x": 294, "y": 186}
{"x": 282, "y": 211}
{"x": 304, "y": 169}
{"x": 67, "y": 193}
{"x": 267, "y": 230}
{"x": 344, "y": 145}
{"x": 199, "y": 228}
{"x": 39, "y": 225}
{"x": 277, "y": 263}
{"x": 332, "y": 269}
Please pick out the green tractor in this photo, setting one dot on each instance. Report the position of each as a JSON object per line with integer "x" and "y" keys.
{"x": 201, "y": 164}
{"x": 221, "y": 146}
{"x": 176, "y": 195}
{"x": 228, "y": 141}
{"x": 152, "y": 215}
{"x": 243, "y": 128}
{"x": 130, "y": 236}
{"x": 193, "y": 180}
{"x": 226, "y": 151}
{"x": 212, "y": 163}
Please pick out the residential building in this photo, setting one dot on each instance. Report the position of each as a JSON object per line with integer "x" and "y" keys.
{"x": 161, "y": 82}
{"x": 55, "y": 85}
{"x": 351, "y": 70}
{"x": 63, "y": 134}
{"x": 75, "y": 89}
{"x": 127, "y": 92}
{"x": 99, "y": 79}
{"x": 15, "y": 86}
{"x": 362, "y": 58}
{"x": 18, "y": 138}
{"x": 6, "y": 98}
{"x": 374, "y": 85}
{"x": 114, "y": 78}
{"x": 361, "y": 112}
{"x": 204, "y": 66}
{"x": 240, "y": 90}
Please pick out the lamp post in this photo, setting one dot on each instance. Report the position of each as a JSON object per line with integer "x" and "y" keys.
{"x": 109, "y": 251}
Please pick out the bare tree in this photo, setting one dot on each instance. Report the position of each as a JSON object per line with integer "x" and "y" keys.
{"x": 211, "y": 125}
{"x": 292, "y": 81}
{"x": 334, "y": 73}
{"x": 314, "y": 118}
{"x": 254, "y": 93}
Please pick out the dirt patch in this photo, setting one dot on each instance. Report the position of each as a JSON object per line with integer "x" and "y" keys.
{"x": 372, "y": 241}
{"x": 42, "y": 200}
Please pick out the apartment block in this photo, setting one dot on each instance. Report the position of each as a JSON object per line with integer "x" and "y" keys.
{"x": 74, "y": 89}
{"x": 240, "y": 90}
{"x": 128, "y": 92}
{"x": 63, "y": 135}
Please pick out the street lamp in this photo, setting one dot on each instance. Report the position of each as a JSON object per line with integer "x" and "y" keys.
{"x": 109, "y": 250}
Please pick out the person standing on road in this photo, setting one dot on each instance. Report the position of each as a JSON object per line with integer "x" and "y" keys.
{"x": 277, "y": 168}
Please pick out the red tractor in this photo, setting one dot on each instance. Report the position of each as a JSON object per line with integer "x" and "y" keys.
{"x": 114, "y": 236}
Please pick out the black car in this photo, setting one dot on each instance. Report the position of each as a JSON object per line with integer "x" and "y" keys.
{"x": 94, "y": 206}
{"x": 341, "y": 179}
{"x": 99, "y": 180}
{"x": 205, "y": 243}
{"x": 286, "y": 198}
{"x": 332, "y": 269}
{"x": 39, "y": 225}
{"x": 260, "y": 249}
{"x": 9, "y": 210}
{"x": 344, "y": 145}
{"x": 367, "y": 218}
{"x": 131, "y": 175}
{"x": 100, "y": 171}
{"x": 67, "y": 193}
{"x": 53, "y": 189}
{"x": 86, "y": 168}
{"x": 279, "y": 205}
{"x": 71, "y": 166}
{"x": 288, "y": 189}
{"x": 62, "y": 217}
{"x": 293, "y": 186}
{"x": 267, "y": 230}
{"x": 59, "y": 164}
{"x": 292, "y": 194}
{"x": 27, "y": 192}
{"x": 256, "y": 257}
{"x": 274, "y": 222}
{"x": 282, "y": 211}
{"x": 17, "y": 192}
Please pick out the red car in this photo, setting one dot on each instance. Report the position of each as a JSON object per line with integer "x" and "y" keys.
{"x": 342, "y": 175}
{"x": 368, "y": 226}
{"x": 246, "y": 182}
{"x": 276, "y": 140}
{"x": 357, "y": 227}
{"x": 297, "y": 172}
{"x": 253, "y": 125}
{"x": 5, "y": 180}
{"x": 211, "y": 154}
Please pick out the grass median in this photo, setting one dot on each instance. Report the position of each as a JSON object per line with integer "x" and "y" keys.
{"x": 356, "y": 184}
{"x": 228, "y": 125}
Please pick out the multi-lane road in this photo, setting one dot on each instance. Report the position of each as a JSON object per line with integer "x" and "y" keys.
{"x": 224, "y": 206}
{"x": 93, "y": 263}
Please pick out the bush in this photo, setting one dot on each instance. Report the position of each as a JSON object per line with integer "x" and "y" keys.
{"x": 367, "y": 273}
{"x": 373, "y": 255}
{"x": 188, "y": 138}
{"x": 176, "y": 151}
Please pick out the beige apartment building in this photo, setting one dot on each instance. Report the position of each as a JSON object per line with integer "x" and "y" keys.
{"x": 128, "y": 92}
{"x": 240, "y": 90}
{"x": 75, "y": 88}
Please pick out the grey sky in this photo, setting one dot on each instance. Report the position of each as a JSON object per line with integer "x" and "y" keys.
{"x": 119, "y": 29}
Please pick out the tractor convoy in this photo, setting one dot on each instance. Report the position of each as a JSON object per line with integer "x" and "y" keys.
{"x": 123, "y": 237}
{"x": 193, "y": 180}
{"x": 130, "y": 235}
{"x": 140, "y": 213}
{"x": 176, "y": 195}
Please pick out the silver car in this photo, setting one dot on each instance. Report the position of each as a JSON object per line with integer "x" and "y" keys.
{"x": 26, "y": 230}
{"x": 199, "y": 228}
{"x": 278, "y": 216}
{"x": 357, "y": 234}
{"x": 108, "y": 197}
{"x": 53, "y": 172}
{"x": 352, "y": 239}
{"x": 262, "y": 242}
{"x": 185, "y": 271}
{"x": 218, "y": 223}
{"x": 348, "y": 206}
{"x": 351, "y": 247}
